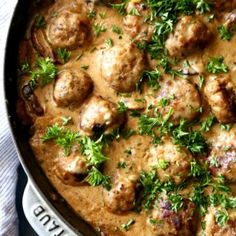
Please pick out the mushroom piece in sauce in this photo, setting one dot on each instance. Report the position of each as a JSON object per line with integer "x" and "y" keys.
{"x": 122, "y": 67}
{"x": 31, "y": 101}
{"x": 71, "y": 87}
{"x": 99, "y": 115}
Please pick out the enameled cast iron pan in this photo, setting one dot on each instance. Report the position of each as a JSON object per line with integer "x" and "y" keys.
{"x": 45, "y": 209}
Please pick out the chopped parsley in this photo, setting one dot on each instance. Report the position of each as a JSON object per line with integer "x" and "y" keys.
{"x": 92, "y": 150}
{"x": 25, "y": 66}
{"x": 40, "y": 22}
{"x": 96, "y": 178}
{"x": 44, "y": 72}
{"x": 80, "y": 54}
{"x": 203, "y": 6}
{"x": 208, "y": 123}
{"x": 165, "y": 101}
{"x": 163, "y": 164}
{"x": 109, "y": 42}
{"x": 63, "y": 137}
{"x": 120, "y": 7}
{"x": 85, "y": 67}
{"x": 216, "y": 65}
{"x": 153, "y": 78}
{"x": 121, "y": 165}
{"x": 147, "y": 124}
{"x": 134, "y": 12}
{"x": 221, "y": 218}
{"x": 98, "y": 29}
{"x": 226, "y": 127}
{"x": 193, "y": 140}
{"x": 127, "y": 133}
{"x": 63, "y": 54}
{"x": 201, "y": 81}
{"x": 102, "y": 15}
{"x": 225, "y": 34}
{"x": 117, "y": 30}
{"x": 121, "y": 107}
{"x": 127, "y": 225}
{"x": 176, "y": 202}
{"x": 92, "y": 14}
{"x": 66, "y": 120}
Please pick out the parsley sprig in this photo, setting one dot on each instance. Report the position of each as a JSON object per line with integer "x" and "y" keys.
{"x": 44, "y": 72}
{"x": 216, "y": 65}
{"x": 183, "y": 135}
{"x": 225, "y": 34}
{"x": 92, "y": 150}
{"x": 63, "y": 54}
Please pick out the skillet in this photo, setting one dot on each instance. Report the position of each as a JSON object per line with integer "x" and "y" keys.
{"x": 36, "y": 177}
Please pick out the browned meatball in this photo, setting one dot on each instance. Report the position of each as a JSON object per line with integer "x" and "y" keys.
{"x": 190, "y": 32}
{"x": 214, "y": 229}
{"x": 223, "y": 5}
{"x": 221, "y": 96}
{"x": 222, "y": 158}
{"x": 181, "y": 96}
{"x": 71, "y": 169}
{"x": 122, "y": 195}
{"x": 71, "y": 87}
{"x": 181, "y": 223}
{"x": 134, "y": 24}
{"x": 99, "y": 115}
{"x": 67, "y": 30}
{"x": 122, "y": 67}
{"x": 171, "y": 161}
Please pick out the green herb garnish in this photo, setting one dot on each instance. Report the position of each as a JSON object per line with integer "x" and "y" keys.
{"x": 63, "y": 54}
{"x": 216, "y": 65}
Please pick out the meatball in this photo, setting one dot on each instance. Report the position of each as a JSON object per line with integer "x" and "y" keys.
{"x": 71, "y": 169}
{"x": 222, "y": 158}
{"x": 122, "y": 195}
{"x": 181, "y": 96}
{"x": 214, "y": 229}
{"x": 71, "y": 87}
{"x": 171, "y": 161}
{"x": 67, "y": 30}
{"x": 221, "y": 96}
{"x": 223, "y": 5}
{"x": 134, "y": 24}
{"x": 190, "y": 32}
{"x": 181, "y": 223}
{"x": 99, "y": 115}
{"x": 122, "y": 67}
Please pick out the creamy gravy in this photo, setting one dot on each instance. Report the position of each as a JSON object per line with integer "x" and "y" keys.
{"x": 86, "y": 200}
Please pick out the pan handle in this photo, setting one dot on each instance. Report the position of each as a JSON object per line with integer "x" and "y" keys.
{"x": 42, "y": 219}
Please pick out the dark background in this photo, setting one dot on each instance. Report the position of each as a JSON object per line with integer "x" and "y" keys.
{"x": 24, "y": 227}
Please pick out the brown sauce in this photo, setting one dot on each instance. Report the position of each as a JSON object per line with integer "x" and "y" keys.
{"x": 137, "y": 152}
